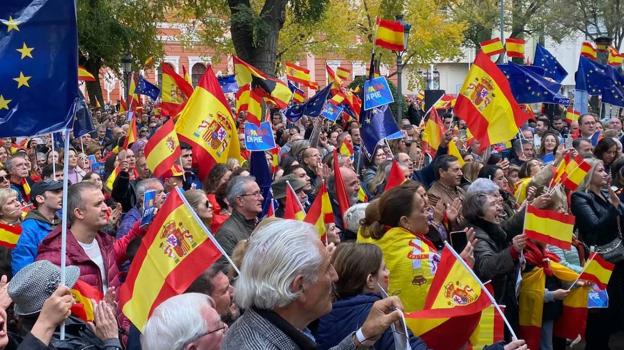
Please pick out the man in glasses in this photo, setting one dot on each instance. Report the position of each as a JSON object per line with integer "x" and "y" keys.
{"x": 17, "y": 167}
{"x": 245, "y": 198}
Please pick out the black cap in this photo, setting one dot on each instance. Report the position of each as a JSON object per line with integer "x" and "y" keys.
{"x": 40, "y": 187}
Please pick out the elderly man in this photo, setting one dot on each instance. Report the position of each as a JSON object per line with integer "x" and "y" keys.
{"x": 17, "y": 167}
{"x": 134, "y": 215}
{"x": 285, "y": 284}
{"x": 523, "y": 151}
{"x": 184, "y": 322}
{"x": 448, "y": 176}
{"x": 245, "y": 198}
{"x": 215, "y": 283}
{"x": 587, "y": 128}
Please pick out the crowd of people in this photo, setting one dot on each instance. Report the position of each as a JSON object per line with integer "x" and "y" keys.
{"x": 295, "y": 291}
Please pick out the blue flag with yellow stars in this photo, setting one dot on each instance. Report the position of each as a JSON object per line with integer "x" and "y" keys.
{"x": 39, "y": 69}
{"x": 378, "y": 124}
{"x": 146, "y": 88}
{"x": 600, "y": 79}
{"x": 552, "y": 68}
{"x": 529, "y": 87}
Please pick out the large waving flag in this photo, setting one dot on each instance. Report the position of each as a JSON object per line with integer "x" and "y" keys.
{"x": 378, "y": 124}
{"x": 173, "y": 253}
{"x": 275, "y": 89}
{"x": 312, "y": 108}
{"x": 175, "y": 91}
{"x": 320, "y": 212}
{"x": 527, "y": 86}
{"x": 146, "y": 88}
{"x": 597, "y": 270}
{"x": 599, "y": 79}
{"x": 549, "y": 226}
{"x": 162, "y": 150}
{"x": 39, "y": 55}
{"x": 433, "y": 134}
{"x": 453, "y": 305}
{"x": 552, "y": 68}
{"x": 298, "y": 74}
{"x": 487, "y": 105}
{"x": 390, "y": 35}
{"x": 206, "y": 124}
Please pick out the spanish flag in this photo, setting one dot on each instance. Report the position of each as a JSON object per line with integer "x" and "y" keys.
{"x": 434, "y": 131}
{"x": 573, "y": 319}
{"x": 515, "y": 47}
{"x": 292, "y": 207}
{"x": 297, "y": 74}
{"x": 341, "y": 190}
{"x": 173, "y": 253}
{"x": 549, "y": 226}
{"x": 486, "y": 104}
{"x": 589, "y": 50}
{"x": 453, "y": 150}
{"x": 572, "y": 115}
{"x": 84, "y": 75}
{"x": 396, "y": 176}
{"x": 85, "y": 296}
{"x": 132, "y": 133}
{"x": 275, "y": 158}
{"x": 206, "y": 123}
{"x": 111, "y": 178}
{"x": 135, "y": 100}
{"x": 453, "y": 306}
{"x": 174, "y": 92}
{"x": 597, "y": 270}
{"x": 320, "y": 213}
{"x": 362, "y": 197}
{"x": 276, "y": 90}
{"x": 575, "y": 172}
{"x": 333, "y": 78}
{"x": 614, "y": 58}
{"x": 123, "y": 108}
{"x": 9, "y": 235}
{"x": 492, "y": 47}
{"x": 242, "y": 98}
{"x": 26, "y": 188}
{"x": 298, "y": 94}
{"x": 343, "y": 73}
{"x": 390, "y": 35}
{"x": 490, "y": 329}
{"x": 162, "y": 150}
{"x": 250, "y": 100}
{"x": 346, "y": 149}
{"x": 186, "y": 75}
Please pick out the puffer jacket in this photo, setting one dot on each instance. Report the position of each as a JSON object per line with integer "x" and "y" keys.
{"x": 34, "y": 229}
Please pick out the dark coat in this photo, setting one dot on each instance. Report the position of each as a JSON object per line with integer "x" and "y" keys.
{"x": 596, "y": 218}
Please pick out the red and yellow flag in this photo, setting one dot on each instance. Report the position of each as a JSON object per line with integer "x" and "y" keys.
{"x": 490, "y": 329}
{"x": 298, "y": 74}
{"x": 362, "y": 196}
{"x": 132, "y": 133}
{"x": 575, "y": 172}
{"x": 343, "y": 73}
{"x": 597, "y": 270}
{"x": 453, "y": 150}
{"x": 276, "y": 90}
{"x": 453, "y": 306}
{"x": 390, "y": 35}
{"x": 487, "y": 105}
{"x": 123, "y": 108}
{"x": 321, "y": 213}
{"x": 111, "y": 178}
{"x": 187, "y": 76}
{"x": 162, "y": 150}
{"x": 275, "y": 158}
{"x": 346, "y": 148}
{"x": 206, "y": 123}
{"x": 250, "y": 100}
{"x": 84, "y": 75}
{"x": 292, "y": 207}
{"x": 174, "y": 92}
{"x": 614, "y": 58}
{"x": 515, "y": 47}
{"x": 173, "y": 253}
{"x": 433, "y": 133}
{"x": 573, "y": 319}
{"x": 589, "y": 50}
{"x": 333, "y": 78}
{"x": 492, "y": 47}
{"x": 396, "y": 176}
{"x": 549, "y": 226}
{"x": 135, "y": 100}
{"x": 9, "y": 235}
{"x": 341, "y": 190}
{"x": 572, "y": 115}
{"x": 85, "y": 296}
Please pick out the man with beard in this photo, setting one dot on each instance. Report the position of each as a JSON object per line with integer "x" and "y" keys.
{"x": 352, "y": 185}
{"x": 448, "y": 176}
{"x": 216, "y": 284}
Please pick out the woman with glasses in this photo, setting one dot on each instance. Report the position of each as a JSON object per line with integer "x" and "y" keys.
{"x": 10, "y": 221}
{"x": 200, "y": 203}
{"x": 5, "y": 180}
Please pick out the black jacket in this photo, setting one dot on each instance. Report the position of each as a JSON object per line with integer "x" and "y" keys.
{"x": 596, "y": 218}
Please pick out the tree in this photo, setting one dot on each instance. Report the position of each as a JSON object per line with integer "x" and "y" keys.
{"x": 110, "y": 29}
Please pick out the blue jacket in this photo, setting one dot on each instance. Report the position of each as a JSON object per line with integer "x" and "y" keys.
{"x": 34, "y": 229}
{"x": 347, "y": 316}
{"x": 127, "y": 221}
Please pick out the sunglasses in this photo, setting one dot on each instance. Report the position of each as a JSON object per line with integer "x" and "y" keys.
{"x": 4, "y": 177}
{"x": 208, "y": 205}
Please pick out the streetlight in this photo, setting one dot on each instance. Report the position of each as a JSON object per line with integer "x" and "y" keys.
{"x": 126, "y": 67}
{"x": 400, "y": 64}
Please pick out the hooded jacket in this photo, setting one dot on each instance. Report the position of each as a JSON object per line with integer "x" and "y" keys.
{"x": 34, "y": 229}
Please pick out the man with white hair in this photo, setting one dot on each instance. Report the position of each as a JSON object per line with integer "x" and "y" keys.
{"x": 184, "y": 322}
{"x": 286, "y": 283}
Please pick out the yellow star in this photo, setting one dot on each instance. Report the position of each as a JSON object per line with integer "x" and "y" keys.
{"x": 22, "y": 80}
{"x": 4, "y": 104}
{"x": 11, "y": 24}
{"x": 26, "y": 51}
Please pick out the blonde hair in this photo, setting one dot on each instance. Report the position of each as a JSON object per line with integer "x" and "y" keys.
{"x": 585, "y": 185}
{"x": 5, "y": 194}
{"x": 195, "y": 197}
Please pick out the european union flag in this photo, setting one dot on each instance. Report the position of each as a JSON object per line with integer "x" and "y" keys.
{"x": 146, "y": 88}
{"x": 378, "y": 124}
{"x": 228, "y": 83}
{"x": 83, "y": 124}
{"x": 529, "y": 87}
{"x": 599, "y": 79}
{"x": 312, "y": 107}
{"x": 259, "y": 168}
{"x": 552, "y": 68}
{"x": 38, "y": 74}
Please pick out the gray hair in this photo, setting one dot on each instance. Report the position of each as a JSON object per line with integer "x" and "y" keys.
{"x": 141, "y": 188}
{"x": 278, "y": 252}
{"x": 8, "y": 164}
{"x": 74, "y": 198}
{"x": 483, "y": 185}
{"x": 175, "y": 322}
{"x": 354, "y": 215}
{"x": 236, "y": 188}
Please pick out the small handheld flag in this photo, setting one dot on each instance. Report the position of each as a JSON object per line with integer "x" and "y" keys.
{"x": 597, "y": 270}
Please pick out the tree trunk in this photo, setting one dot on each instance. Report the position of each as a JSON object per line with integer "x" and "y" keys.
{"x": 94, "y": 88}
{"x": 261, "y": 54}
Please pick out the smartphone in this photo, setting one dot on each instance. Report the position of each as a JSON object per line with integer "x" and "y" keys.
{"x": 459, "y": 240}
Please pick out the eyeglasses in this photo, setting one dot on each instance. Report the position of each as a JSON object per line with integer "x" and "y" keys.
{"x": 254, "y": 194}
{"x": 4, "y": 177}
{"x": 208, "y": 205}
{"x": 221, "y": 327}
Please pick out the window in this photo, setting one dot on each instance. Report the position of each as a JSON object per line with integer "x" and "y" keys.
{"x": 196, "y": 72}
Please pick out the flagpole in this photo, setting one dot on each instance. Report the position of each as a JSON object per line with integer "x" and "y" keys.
{"x": 64, "y": 217}
{"x": 591, "y": 257}
{"x": 210, "y": 236}
{"x": 53, "y": 161}
{"x": 483, "y": 289}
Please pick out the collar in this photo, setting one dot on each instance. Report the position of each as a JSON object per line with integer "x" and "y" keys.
{"x": 302, "y": 341}
{"x": 447, "y": 188}
{"x": 241, "y": 217}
